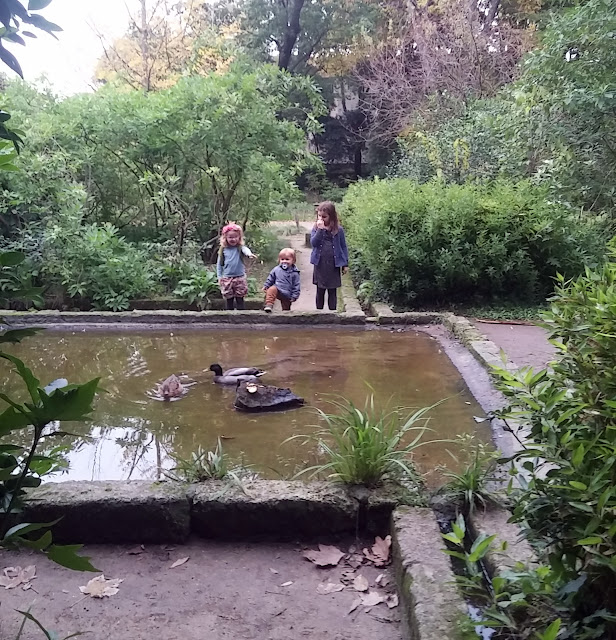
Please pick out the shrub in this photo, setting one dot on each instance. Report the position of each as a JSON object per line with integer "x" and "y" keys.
{"x": 432, "y": 242}
{"x": 567, "y": 497}
{"x": 198, "y": 288}
{"x": 93, "y": 261}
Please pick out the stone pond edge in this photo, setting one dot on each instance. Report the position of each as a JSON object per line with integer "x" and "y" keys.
{"x": 145, "y": 512}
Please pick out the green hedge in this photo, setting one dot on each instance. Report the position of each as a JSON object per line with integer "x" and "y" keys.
{"x": 436, "y": 243}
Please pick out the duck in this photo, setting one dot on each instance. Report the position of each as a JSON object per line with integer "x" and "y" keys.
{"x": 235, "y": 376}
{"x": 171, "y": 387}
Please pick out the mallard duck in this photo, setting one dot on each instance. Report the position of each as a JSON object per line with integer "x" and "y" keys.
{"x": 231, "y": 377}
{"x": 171, "y": 388}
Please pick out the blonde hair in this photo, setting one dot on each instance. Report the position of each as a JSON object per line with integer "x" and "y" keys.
{"x": 225, "y": 230}
{"x": 287, "y": 252}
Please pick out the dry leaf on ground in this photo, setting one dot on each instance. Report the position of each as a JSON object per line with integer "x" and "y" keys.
{"x": 360, "y": 583}
{"x": 354, "y": 605}
{"x": 383, "y": 579}
{"x": 392, "y": 600}
{"x": 135, "y": 551}
{"x": 379, "y": 553}
{"x": 371, "y": 598}
{"x": 287, "y": 584}
{"x": 325, "y": 588}
{"x": 355, "y": 561}
{"x": 14, "y": 576}
{"x": 178, "y": 562}
{"x": 99, "y": 587}
{"x": 273, "y": 570}
{"x": 326, "y": 556}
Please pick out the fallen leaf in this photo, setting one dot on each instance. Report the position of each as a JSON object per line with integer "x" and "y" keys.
{"x": 273, "y": 570}
{"x": 135, "y": 551}
{"x": 325, "y": 588}
{"x": 360, "y": 583}
{"x": 371, "y": 598}
{"x": 392, "y": 600}
{"x": 354, "y": 605}
{"x": 99, "y": 587}
{"x": 326, "y": 556}
{"x": 14, "y": 576}
{"x": 178, "y": 562}
{"x": 355, "y": 561}
{"x": 287, "y": 584}
{"x": 383, "y": 579}
{"x": 379, "y": 554}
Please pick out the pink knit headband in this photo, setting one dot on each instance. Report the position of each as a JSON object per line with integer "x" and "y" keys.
{"x": 231, "y": 227}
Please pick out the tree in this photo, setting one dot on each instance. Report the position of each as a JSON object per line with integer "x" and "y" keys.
{"x": 305, "y": 36}
{"x": 568, "y": 88}
{"x": 179, "y": 162}
{"x": 164, "y": 42}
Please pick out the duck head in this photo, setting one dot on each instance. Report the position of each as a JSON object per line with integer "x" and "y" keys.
{"x": 216, "y": 368}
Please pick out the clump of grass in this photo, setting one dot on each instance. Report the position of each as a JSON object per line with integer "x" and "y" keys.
{"x": 367, "y": 446}
{"x": 207, "y": 465}
{"x": 471, "y": 486}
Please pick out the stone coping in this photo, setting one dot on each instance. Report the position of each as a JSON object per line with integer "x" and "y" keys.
{"x": 431, "y": 605}
{"x": 137, "y": 511}
{"x": 186, "y": 318}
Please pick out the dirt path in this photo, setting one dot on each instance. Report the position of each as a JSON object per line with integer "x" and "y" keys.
{"x": 222, "y": 592}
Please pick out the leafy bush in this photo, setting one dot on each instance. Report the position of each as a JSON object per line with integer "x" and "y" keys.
{"x": 198, "y": 288}
{"x": 93, "y": 261}
{"x": 567, "y": 495}
{"x": 435, "y": 242}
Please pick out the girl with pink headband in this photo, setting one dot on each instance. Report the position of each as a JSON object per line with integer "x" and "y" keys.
{"x": 230, "y": 267}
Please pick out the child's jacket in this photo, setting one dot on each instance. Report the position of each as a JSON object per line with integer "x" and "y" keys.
{"x": 230, "y": 263}
{"x": 286, "y": 281}
{"x": 341, "y": 253}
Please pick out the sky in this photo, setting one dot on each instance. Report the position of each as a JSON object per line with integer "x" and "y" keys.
{"x": 69, "y": 61}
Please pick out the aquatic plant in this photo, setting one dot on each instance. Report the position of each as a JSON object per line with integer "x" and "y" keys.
{"x": 366, "y": 446}
{"x": 207, "y": 465}
{"x": 470, "y": 486}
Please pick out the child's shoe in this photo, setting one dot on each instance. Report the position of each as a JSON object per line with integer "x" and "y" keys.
{"x": 267, "y": 308}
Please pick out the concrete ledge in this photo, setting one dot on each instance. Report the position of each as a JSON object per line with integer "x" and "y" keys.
{"x": 482, "y": 349}
{"x": 431, "y": 605}
{"x": 111, "y": 512}
{"x": 144, "y": 511}
{"x": 386, "y": 316}
{"x": 37, "y": 318}
{"x": 272, "y": 508}
{"x": 494, "y": 520}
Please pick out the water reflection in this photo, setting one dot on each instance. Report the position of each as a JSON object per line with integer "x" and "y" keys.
{"x": 131, "y": 436}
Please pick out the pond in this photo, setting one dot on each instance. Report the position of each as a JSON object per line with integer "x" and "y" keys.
{"x": 132, "y": 436}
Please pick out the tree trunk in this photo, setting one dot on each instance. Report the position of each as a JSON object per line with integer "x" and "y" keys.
{"x": 292, "y": 31}
{"x": 143, "y": 45}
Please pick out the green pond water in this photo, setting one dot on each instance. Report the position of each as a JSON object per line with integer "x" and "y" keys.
{"x": 133, "y": 436}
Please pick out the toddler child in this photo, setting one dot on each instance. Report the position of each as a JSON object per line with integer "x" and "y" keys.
{"x": 282, "y": 282}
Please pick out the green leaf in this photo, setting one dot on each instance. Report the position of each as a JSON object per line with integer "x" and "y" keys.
{"x": 591, "y": 540}
{"x": 26, "y": 375}
{"x": 552, "y": 631}
{"x": 11, "y": 258}
{"x": 66, "y": 555}
{"x": 578, "y": 485}
{"x": 41, "y": 23}
{"x": 26, "y": 527}
{"x": 17, "y": 335}
{"x": 37, "y": 5}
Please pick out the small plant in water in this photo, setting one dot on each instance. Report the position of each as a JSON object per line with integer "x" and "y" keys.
{"x": 471, "y": 484}
{"x": 207, "y": 465}
{"x": 366, "y": 446}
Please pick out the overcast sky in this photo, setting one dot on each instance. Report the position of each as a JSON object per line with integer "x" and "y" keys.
{"x": 69, "y": 61}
